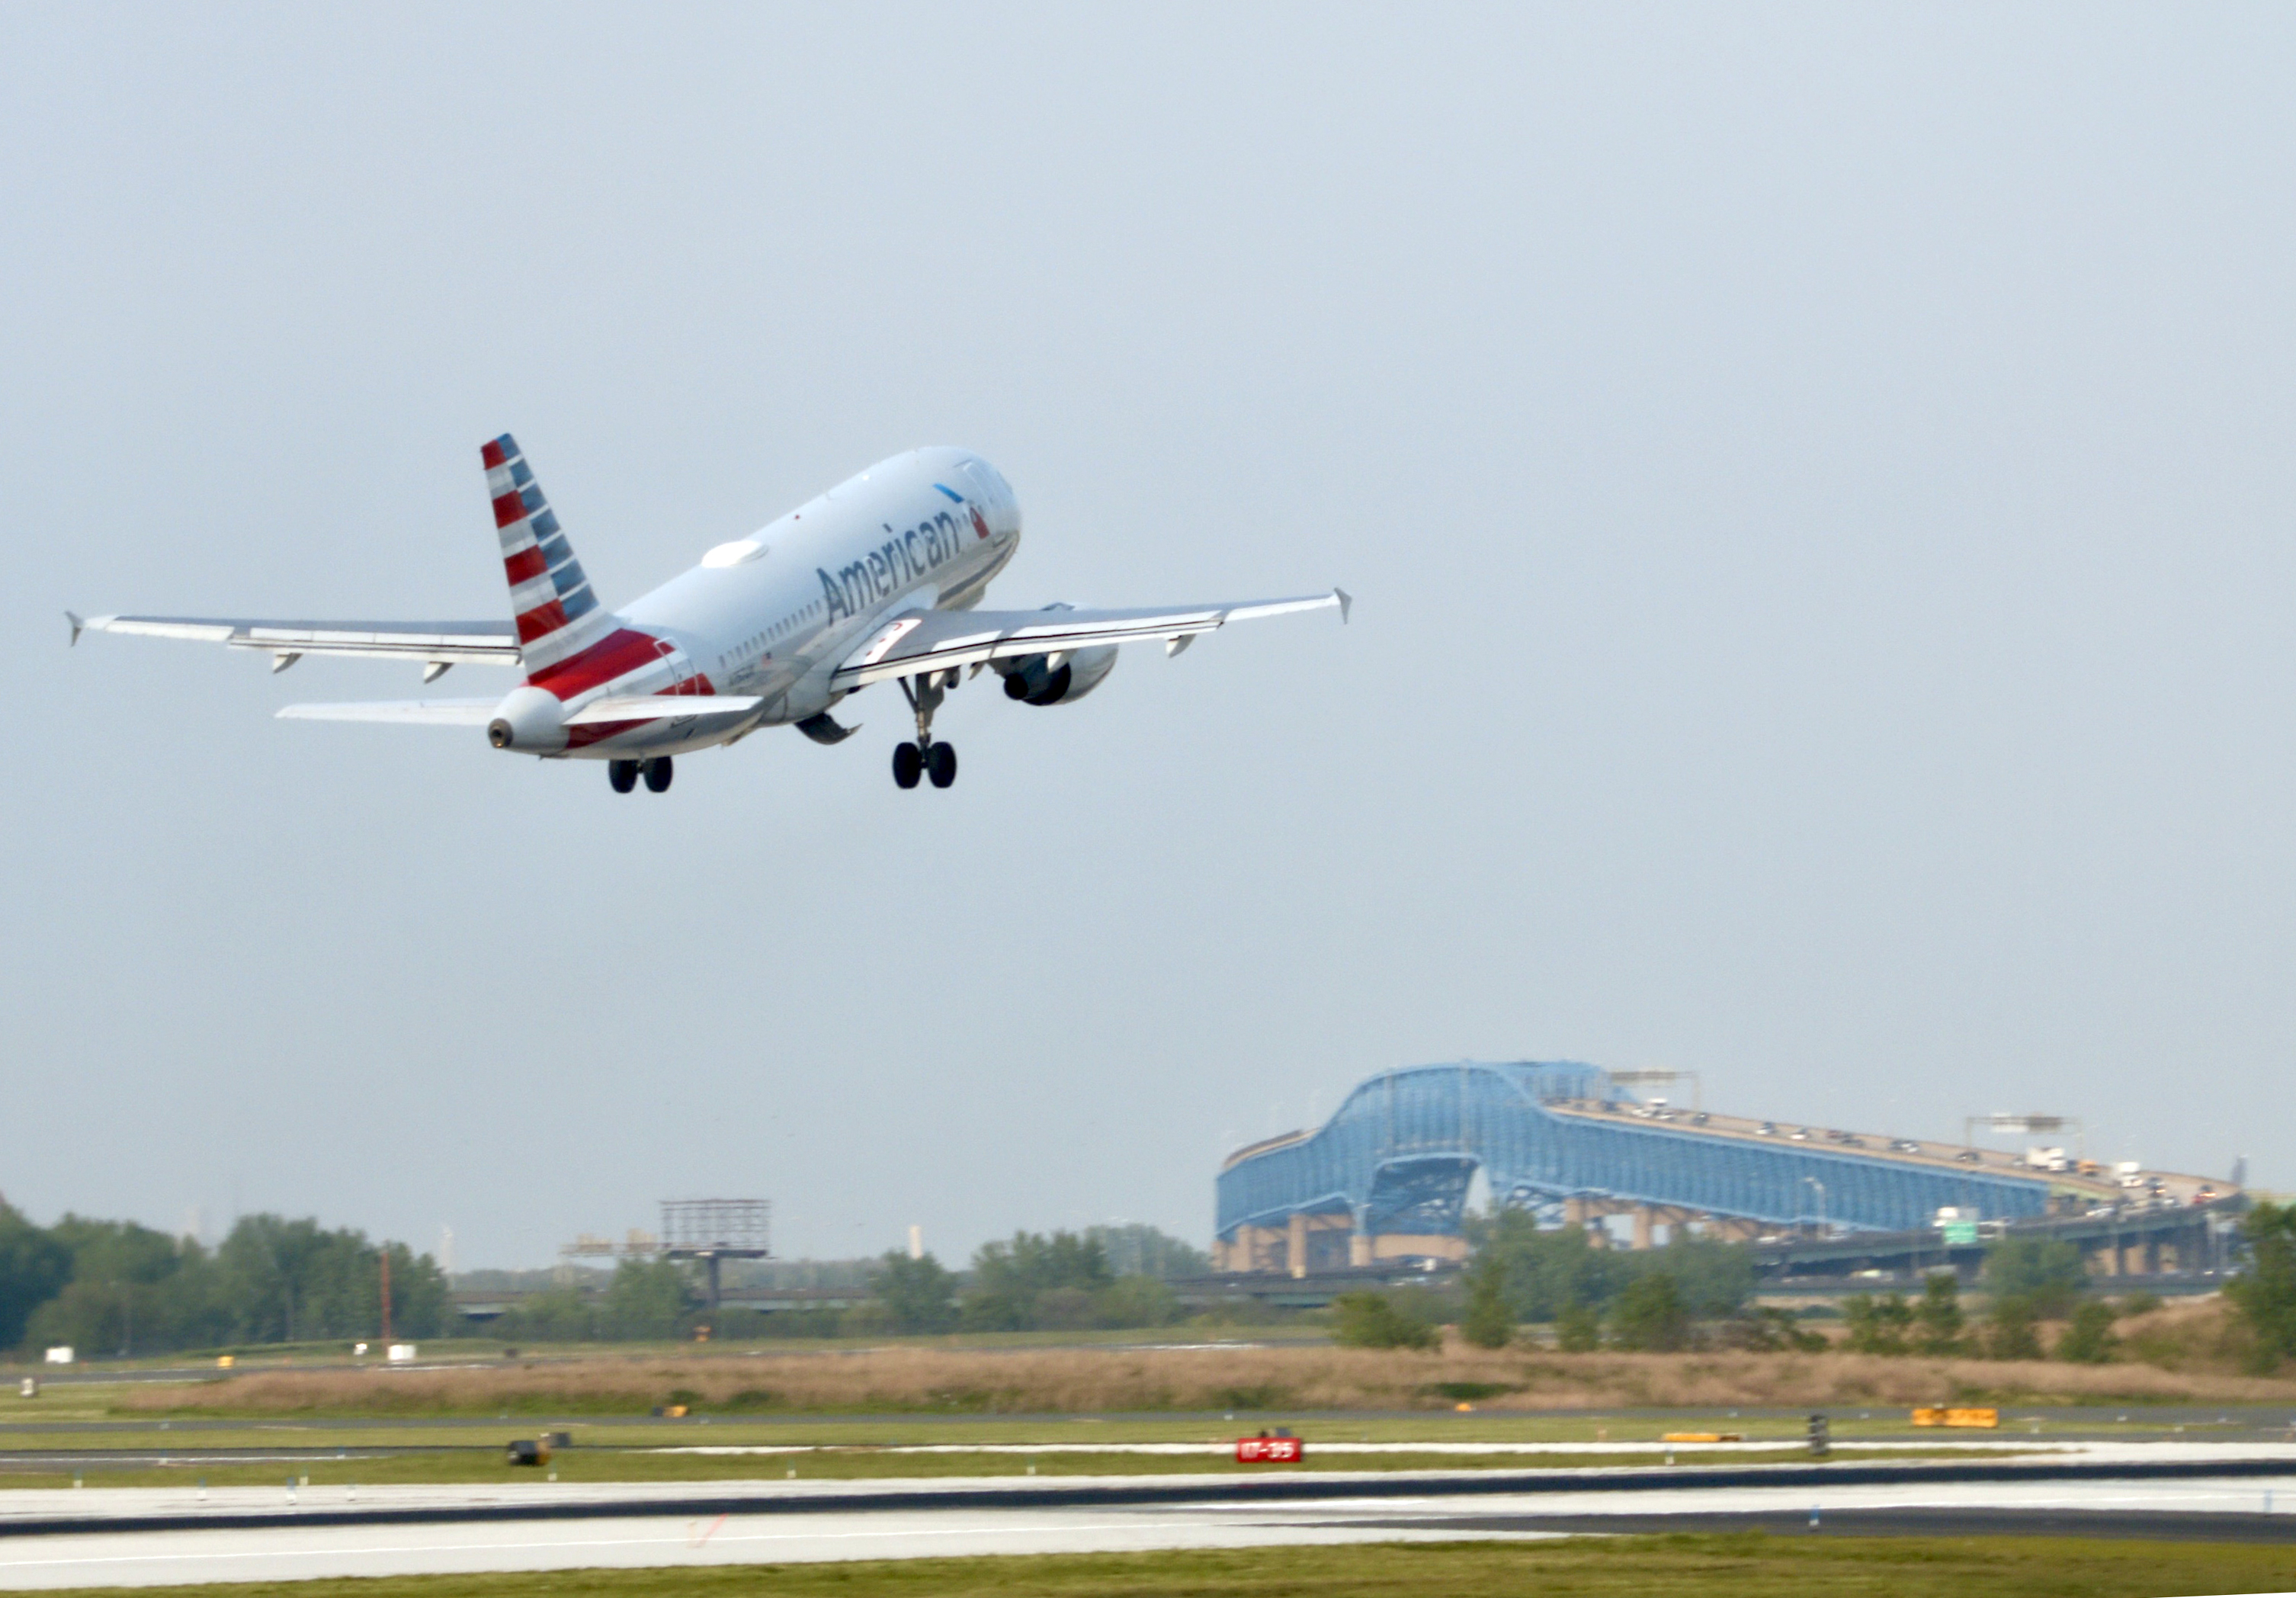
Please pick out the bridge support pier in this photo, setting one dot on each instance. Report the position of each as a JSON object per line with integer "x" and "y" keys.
{"x": 1396, "y": 1245}
{"x": 1674, "y": 1217}
{"x": 1254, "y": 1248}
{"x": 1309, "y": 1244}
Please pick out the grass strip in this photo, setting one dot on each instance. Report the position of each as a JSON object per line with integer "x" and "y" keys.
{"x": 598, "y": 1465}
{"x": 1741, "y": 1565}
{"x": 1642, "y": 1427}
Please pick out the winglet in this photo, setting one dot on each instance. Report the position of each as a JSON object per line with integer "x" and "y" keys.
{"x": 1347, "y": 603}
{"x": 77, "y": 624}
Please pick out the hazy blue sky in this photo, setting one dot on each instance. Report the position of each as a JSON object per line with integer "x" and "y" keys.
{"x": 1816, "y": 481}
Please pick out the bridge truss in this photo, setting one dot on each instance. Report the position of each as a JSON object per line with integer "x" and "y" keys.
{"x": 1398, "y": 1156}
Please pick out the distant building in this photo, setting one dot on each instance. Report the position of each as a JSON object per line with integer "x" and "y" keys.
{"x": 1387, "y": 1176}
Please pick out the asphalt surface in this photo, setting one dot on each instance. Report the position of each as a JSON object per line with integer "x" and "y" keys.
{"x": 2195, "y": 1508}
{"x": 157, "y": 1536}
{"x": 1911, "y": 1520}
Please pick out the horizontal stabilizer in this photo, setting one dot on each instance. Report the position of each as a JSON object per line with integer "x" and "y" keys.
{"x": 658, "y": 707}
{"x": 432, "y": 712}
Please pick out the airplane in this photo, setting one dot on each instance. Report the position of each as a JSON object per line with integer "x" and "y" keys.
{"x": 878, "y": 579}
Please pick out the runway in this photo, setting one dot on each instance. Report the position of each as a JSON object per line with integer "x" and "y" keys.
{"x": 158, "y": 1536}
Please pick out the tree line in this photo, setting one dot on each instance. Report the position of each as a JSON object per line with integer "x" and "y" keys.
{"x": 1059, "y": 1281}
{"x": 1521, "y": 1274}
{"x": 1696, "y": 1293}
{"x": 117, "y": 1288}
{"x": 2028, "y": 1280}
{"x": 1103, "y": 1276}
{"x": 645, "y": 1300}
{"x": 2266, "y": 1293}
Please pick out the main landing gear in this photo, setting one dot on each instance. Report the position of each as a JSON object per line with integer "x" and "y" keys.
{"x": 924, "y": 757}
{"x": 934, "y": 760}
{"x": 624, "y": 774}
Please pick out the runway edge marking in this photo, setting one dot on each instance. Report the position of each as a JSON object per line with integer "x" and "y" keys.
{"x": 1286, "y": 1490}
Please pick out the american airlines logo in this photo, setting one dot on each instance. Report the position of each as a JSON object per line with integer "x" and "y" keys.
{"x": 901, "y": 559}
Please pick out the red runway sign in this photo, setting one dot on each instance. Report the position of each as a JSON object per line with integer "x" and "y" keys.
{"x": 1268, "y": 1451}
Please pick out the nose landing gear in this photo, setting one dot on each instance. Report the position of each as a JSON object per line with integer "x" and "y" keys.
{"x": 924, "y": 757}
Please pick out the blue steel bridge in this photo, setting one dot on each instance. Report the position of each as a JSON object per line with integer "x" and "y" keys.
{"x": 1387, "y": 1176}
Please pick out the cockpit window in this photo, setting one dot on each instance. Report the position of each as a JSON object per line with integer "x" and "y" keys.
{"x": 990, "y": 488}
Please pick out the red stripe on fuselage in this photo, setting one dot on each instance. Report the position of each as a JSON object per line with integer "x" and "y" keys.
{"x": 617, "y": 653}
{"x": 582, "y": 737}
{"x": 525, "y": 564}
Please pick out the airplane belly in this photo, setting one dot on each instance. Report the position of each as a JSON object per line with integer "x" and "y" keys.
{"x": 677, "y": 736}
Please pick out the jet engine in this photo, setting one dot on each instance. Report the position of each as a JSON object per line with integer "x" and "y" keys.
{"x": 529, "y": 720}
{"x": 1058, "y": 679}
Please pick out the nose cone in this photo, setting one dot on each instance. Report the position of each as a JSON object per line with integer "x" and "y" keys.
{"x": 1003, "y": 505}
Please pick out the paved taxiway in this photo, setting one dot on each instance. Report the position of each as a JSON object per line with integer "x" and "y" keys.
{"x": 170, "y": 1535}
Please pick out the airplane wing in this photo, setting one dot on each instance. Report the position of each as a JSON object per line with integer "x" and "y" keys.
{"x": 420, "y": 712}
{"x": 917, "y": 641}
{"x": 442, "y": 643}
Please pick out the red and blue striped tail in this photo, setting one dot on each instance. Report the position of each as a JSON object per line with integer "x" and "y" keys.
{"x": 557, "y": 614}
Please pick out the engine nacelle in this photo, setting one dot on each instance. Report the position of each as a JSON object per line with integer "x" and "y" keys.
{"x": 1037, "y": 680}
{"x": 529, "y": 721}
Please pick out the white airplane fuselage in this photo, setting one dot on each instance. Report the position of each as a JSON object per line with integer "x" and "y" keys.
{"x": 878, "y": 580}
{"x": 772, "y": 615}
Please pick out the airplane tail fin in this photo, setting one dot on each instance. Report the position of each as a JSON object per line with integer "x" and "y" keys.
{"x": 549, "y": 594}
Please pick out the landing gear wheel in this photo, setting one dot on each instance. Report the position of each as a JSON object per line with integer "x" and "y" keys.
{"x": 657, "y": 774}
{"x": 909, "y": 765}
{"x": 941, "y": 762}
{"x": 623, "y": 775}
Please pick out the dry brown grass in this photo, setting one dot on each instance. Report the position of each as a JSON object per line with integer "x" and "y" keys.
{"x": 2190, "y": 1334}
{"x": 1083, "y": 1380}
